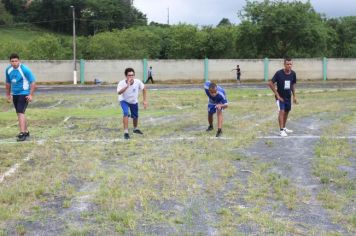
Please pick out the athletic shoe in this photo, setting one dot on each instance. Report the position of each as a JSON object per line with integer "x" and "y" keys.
{"x": 27, "y": 134}
{"x": 219, "y": 133}
{"x": 283, "y": 133}
{"x": 210, "y": 128}
{"x": 137, "y": 131}
{"x": 126, "y": 136}
{"x": 288, "y": 130}
{"x": 21, "y": 137}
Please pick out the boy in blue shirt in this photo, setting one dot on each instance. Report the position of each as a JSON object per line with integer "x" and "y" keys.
{"x": 217, "y": 103}
{"x": 20, "y": 87}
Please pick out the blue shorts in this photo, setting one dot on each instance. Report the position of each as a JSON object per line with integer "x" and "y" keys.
{"x": 20, "y": 103}
{"x": 133, "y": 109}
{"x": 212, "y": 108}
{"x": 284, "y": 106}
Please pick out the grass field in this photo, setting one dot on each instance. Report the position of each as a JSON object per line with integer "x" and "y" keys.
{"x": 78, "y": 176}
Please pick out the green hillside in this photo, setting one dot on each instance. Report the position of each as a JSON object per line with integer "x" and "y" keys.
{"x": 33, "y": 43}
{"x": 22, "y": 34}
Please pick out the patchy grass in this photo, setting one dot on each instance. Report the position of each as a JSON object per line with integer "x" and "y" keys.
{"x": 339, "y": 191}
{"x": 155, "y": 184}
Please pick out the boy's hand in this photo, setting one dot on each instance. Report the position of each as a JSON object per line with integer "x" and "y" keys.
{"x": 29, "y": 98}
{"x": 295, "y": 101}
{"x": 8, "y": 98}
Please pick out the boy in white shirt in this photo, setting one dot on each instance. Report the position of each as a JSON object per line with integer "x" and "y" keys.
{"x": 128, "y": 91}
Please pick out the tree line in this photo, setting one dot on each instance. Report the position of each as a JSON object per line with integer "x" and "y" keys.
{"x": 114, "y": 29}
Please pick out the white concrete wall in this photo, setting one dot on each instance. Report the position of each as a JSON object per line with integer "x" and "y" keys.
{"x": 185, "y": 70}
{"x": 111, "y": 71}
{"x": 306, "y": 69}
{"x": 341, "y": 69}
{"x": 222, "y": 69}
{"x": 46, "y": 71}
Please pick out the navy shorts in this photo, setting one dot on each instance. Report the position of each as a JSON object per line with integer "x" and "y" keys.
{"x": 133, "y": 109}
{"x": 20, "y": 103}
{"x": 284, "y": 106}
{"x": 212, "y": 109}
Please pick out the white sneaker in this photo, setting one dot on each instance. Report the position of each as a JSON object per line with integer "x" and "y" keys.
{"x": 288, "y": 130}
{"x": 283, "y": 133}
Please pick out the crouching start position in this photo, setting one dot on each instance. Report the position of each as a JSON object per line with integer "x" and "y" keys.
{"x": 216, "y": 104}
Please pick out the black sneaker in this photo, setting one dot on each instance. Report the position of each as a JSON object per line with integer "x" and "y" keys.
{"x": 210, "y": 128}
{"x": 27, "y": 134}
{"x": 126, "y": 136}
{"x": 219, "y": 133}
{"x": 21, "y": 137}
{"x": 137, "y": 131}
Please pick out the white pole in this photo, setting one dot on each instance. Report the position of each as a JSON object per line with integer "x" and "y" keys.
{"x": 74, "y": 49}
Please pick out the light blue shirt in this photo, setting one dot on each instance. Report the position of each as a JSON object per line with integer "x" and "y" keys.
{"x": 20, "y": 79}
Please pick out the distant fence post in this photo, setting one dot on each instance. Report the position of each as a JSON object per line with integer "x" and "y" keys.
{"x": 144, "y": 70}
{"x": 266, "y": 62}
{"x": 206, "y": 69}
{"x": 325, "y": 63}
{"x": 82, "y": 62}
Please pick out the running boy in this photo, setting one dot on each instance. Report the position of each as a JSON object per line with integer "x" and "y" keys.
{"x": 128, "y": 91}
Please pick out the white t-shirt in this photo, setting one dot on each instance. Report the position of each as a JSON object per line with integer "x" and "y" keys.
{"x": 131, "y": 93}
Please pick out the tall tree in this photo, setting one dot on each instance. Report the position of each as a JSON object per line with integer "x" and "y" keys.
{"x": 5, "y": 17}
{"x": 91, "y": 15}
{"x": 345, "y": 43}
{"x": 224, "y": 22}
{"x": 277, "y": 28}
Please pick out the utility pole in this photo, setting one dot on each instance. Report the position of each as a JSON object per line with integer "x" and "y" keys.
{"x": 74, "y": 49}
{"x": 168, "y": 16}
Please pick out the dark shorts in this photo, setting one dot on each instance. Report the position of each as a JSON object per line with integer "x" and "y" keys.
{"x": 133, "y": 109}
{"x": 284, "y": 106}
{"x": 20, "y": 103}
{"x": 211, "y": 108}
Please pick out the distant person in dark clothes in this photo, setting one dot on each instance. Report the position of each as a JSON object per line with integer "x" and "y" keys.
{"x": 285, "y": 79}
{"x": 238, "y": 73}
{"x": 150, "y": 75}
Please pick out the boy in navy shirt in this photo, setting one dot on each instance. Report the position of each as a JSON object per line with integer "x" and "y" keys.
{"x": 217, "y": 103}
{"x": 285, "y": 79}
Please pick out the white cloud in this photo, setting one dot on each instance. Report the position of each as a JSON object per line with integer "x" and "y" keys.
{"x": 210, "y": 12}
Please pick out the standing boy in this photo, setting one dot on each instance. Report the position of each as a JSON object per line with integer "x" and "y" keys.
{"x": 128, "y": 91}
{"x": 150, "y": 75}
{"x": 238, "y": 73}
{"x": 286, "y": 79}
{"x": 20, "y": 87}
{"x": 217, "y": 103}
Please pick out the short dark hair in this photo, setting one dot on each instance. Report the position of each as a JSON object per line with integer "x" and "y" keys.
{"x": 13, "y": 56}
{"x": 287, "y": 59}
{"x": 127, "y": 70}
{"x": 212, "y": 86}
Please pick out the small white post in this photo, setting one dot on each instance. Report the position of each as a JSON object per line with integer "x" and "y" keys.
{"x": 75, "y": 77}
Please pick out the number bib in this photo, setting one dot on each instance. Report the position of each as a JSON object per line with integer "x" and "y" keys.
{"x": 286, "y": 84}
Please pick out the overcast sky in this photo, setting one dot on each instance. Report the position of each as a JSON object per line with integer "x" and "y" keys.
{"x": 210, "y": 12}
